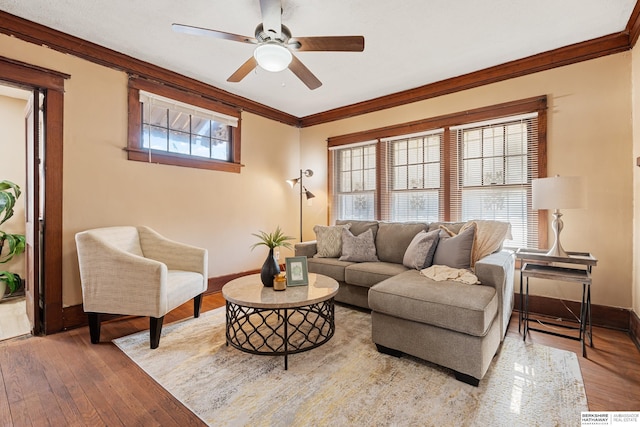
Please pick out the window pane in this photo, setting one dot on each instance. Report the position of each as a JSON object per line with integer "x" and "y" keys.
{"x": 179, "y": 121}
{"x": 158, "y": 138}
{"x": 201, "y": 146}
{"x": 200, "y": 126}
{"x": 356, "y": 206}
{"x": 400, "y": 178}
{"x": 415, "y": 206}
{"x": 179, "y": 142}
{"x": 157, "y": 116}
{"x": 221, "y": 150}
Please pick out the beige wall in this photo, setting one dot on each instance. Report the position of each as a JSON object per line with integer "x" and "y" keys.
{"x": 636, "y": 176}
{"x": 589, "y": 134}
{"x": 12, "y": 155}
{"x": 216, "y": 210}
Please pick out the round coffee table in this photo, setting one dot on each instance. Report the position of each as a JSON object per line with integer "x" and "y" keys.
{"x": 263, "y": 321}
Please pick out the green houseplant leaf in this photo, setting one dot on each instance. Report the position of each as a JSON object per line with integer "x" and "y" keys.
{"x": 272, "y": 240}
{"x": 10, "y": 244}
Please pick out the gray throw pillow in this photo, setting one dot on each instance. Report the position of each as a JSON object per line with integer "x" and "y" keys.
{"x": 420, "y": 252}
{"x": 455, "y": 252}
{"x": 329, "y": 240}
{"x": 360, "y": 248}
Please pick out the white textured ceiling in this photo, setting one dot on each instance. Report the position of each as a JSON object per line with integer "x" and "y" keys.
{"x": 408, "y": 43}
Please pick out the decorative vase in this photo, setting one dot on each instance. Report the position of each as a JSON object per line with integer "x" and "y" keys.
{"x": 269, "y": 269}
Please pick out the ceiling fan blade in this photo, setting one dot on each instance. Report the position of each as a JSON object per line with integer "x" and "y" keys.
{"x": 244, "y": 69}
{"x": 272, "y": 17}
{"x": 197, "y": 31}
{"x": 328, "y": 43}
{"x": 304, "y": 74}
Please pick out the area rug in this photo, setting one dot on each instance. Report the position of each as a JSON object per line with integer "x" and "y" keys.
{"x": 347, "y": 382}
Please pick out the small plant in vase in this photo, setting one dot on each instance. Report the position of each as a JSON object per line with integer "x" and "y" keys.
{"x": 13, "y": 243}
{"x": 271, "y": 240}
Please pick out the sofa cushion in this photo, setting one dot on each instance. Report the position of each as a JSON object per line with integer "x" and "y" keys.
{"x": 368, "y": 274}
{"x": 420, "y": 252}
{"x": 451, "y": 226}
{"x": 329, "y": 240}
{"x": 393, "y": 239}
{"x": 359, "y": 248}
{"x": 359, "y": 227}
{"x": 455, "y": 251}
{"x": 331, "y": 267}
{"x": 469, "y": 309}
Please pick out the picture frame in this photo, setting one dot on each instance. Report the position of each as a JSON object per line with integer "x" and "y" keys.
{"x": 297, "y": 272}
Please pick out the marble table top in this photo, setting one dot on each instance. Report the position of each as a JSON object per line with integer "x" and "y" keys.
{"x": 248, "y": 291}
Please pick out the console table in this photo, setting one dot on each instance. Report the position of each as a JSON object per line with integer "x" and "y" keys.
{"x": 576, "y": 268}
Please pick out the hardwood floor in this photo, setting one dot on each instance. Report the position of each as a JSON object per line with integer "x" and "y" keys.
{"x": 62, "y": 379}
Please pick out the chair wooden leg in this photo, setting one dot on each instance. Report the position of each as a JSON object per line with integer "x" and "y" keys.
{"x": 94, "y": 327}
{"x": 155, "y": 329}
{"x": 197, "y": 305}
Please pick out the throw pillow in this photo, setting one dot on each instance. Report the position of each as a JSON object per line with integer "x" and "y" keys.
{"x": 420, "y": 252}
{"x": 360, "y": 248}
{"x": 329, "y": 240}
{"x": 490, "y": 235}
{"x": 455, "y": 251}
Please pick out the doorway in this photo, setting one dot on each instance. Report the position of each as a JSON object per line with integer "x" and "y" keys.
{"x": 14, "y": 105}
{"x": 43, "y": 271}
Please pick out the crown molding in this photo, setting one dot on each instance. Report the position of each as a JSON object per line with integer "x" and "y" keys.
{"x": 614, "y": 43}
{"x": 39, "y": 34}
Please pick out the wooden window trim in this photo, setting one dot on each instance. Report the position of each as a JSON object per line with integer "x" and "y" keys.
{"x": 134, "y": 148}
{"x": 534, "y": 104}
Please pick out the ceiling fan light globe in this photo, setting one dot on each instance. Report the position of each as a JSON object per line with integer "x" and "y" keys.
{"x": 272, "y": 57}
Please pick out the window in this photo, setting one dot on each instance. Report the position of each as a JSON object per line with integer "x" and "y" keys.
{"x": 355, "y": 191}
{"x": 496, "y": 164}
{"x": 479, "y": 165}
{"x": 414, "y": 166}
{"x": 172, "y": 127}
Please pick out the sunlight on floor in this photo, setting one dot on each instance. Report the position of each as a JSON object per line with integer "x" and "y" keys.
{"x": 522, "y": 378}
{"x": 13, "y": 319}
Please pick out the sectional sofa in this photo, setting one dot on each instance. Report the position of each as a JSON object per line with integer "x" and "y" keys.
{"x": 457, "y": 323}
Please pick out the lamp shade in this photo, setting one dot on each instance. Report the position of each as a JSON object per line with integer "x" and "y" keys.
{"x": 272, "y": 56}
{"x": 559, "y": 192}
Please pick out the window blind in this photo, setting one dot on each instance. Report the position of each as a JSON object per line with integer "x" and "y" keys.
{"x": 413, "y": 169}
{"x": 173, "y": 105}
{"x": 354, "y": 182}
{"x": 491, "y": 178}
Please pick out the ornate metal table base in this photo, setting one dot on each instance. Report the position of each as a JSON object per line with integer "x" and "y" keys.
{"x": 280, "y": 331}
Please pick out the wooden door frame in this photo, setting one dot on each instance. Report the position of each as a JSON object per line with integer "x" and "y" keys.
{"x": 52, "y": 82}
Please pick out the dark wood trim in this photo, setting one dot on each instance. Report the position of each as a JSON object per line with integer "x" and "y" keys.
{"x": 53, "y": 181}
{"x": 602, "y": 315}
{"x": 39, "y": 34}
{"x": 634, "y": 328}
{"x": 18, "y": 72}
{"x": 591, "y": 49}
{"x": 215, "y": 284}
{"x": 567, "y": 55}
{"x": 633, "y": 26}
{"x": 29, "y": 76}
{"x": 136, "y": 152}
{"x": 538, "y": 103}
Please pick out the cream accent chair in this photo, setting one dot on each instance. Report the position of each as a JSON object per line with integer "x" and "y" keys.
{"x": 136, "y": 271}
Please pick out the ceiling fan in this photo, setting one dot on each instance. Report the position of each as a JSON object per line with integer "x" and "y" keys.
{"x": 275, "y": 46}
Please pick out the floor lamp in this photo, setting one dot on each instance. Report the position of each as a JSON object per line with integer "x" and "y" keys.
{"x": 309, "y": 195}
{"x": 558, "y": 192}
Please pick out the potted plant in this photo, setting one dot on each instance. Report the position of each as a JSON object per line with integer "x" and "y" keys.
{"x": 10, "y": 244}
{"x": 271, "y": 240}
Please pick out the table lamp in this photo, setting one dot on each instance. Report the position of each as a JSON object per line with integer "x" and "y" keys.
{"x": 558, "y": 192}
